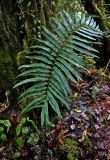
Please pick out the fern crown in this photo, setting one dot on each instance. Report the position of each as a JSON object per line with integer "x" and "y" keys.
{"x": 56, "y": 59}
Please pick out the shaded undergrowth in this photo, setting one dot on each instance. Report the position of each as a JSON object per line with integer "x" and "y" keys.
{"x": 83, "y": 133}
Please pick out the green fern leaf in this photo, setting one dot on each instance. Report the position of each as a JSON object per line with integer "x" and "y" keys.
{"x": 54, "y": 60}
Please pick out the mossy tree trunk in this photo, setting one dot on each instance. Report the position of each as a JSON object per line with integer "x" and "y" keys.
{"x": 19, "y": 22}
{"x": 9, "y": 46}
{"x": 101, "y": 9}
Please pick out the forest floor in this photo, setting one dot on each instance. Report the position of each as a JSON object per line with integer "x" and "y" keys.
{"x": 82, "y": 134}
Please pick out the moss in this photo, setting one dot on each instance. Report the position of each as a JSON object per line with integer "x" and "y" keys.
{"x": 101, "y": 12}
{"x": 90, "y": 116}
{"x": 20, "y": 58}
{"x": 7, "y": 75}
{"x": 71, "y": 147}
{"x": 87, "y": 143}
{"x": 12, "y": 23}
{"x": 42, "y": 12}
{"x": 9, "y": 44}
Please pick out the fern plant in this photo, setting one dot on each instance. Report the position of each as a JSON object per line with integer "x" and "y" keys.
{"x": 54, "y": 60}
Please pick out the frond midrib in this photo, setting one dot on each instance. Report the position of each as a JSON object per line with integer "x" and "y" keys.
{"x": 62, "y": 45}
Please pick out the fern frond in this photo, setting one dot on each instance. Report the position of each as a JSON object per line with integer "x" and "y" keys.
{"x": 56, "y": 59}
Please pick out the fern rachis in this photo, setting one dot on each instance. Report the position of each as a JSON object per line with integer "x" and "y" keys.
{"x": 55, "y": 60}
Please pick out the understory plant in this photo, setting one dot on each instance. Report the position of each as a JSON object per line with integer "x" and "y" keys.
{"x": 24, "y": 128}
{"x": 4, "y": 129}
{"x": 56, "y": 58}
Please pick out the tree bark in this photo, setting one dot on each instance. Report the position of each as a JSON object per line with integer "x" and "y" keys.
{"x": 9, "y": 45}
{"x": 101, "y": 10}
{"x": 19, "y": 22}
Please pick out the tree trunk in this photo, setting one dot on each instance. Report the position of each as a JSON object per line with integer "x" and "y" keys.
{"x": 101, "y": 10}
{"x": 19, "y": 22}
{"x": 9, "y": 46}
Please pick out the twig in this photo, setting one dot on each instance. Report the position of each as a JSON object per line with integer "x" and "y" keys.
{"x": 107, "y": 66}
{"x": 104, "y": 72}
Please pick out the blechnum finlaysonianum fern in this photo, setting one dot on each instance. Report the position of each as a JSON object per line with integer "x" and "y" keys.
{"x": 54, "y": 60}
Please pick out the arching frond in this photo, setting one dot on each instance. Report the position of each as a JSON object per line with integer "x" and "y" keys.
{"x": 55, "y": 60}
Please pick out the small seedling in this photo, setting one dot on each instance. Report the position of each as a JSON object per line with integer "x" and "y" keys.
{"x": 26, "y": 128}
{"x": 4, "y": 127}
{"x": 95, "y": 91}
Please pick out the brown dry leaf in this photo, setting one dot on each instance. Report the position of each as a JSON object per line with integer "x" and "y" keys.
{"x": 1, "y": 149}
{"x": 108, "y": 99}
{"x": 3, "y": 107}
{"x": 83, "y": 136}
{"x": 103, "y": 96}
{"x": 60, "y": 140}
